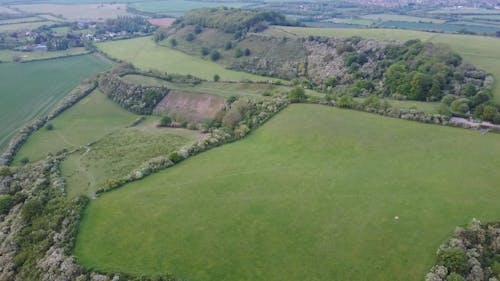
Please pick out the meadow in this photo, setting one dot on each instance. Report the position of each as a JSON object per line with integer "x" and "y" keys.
{"x": 75, "y": 12}
{"x": 478, "y": 50}
{"x": 49, "y": 82}
{"x": 311, "y": 195}
{"x": 118, "y": 153}
{"x": 9, "y": 55}
{"x": 87, "y": 121}
{"x": 179, "y": 7}
{"x": 145, "y": 54}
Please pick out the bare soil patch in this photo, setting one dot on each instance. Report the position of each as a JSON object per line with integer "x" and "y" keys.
{"x": 189, "y": 107}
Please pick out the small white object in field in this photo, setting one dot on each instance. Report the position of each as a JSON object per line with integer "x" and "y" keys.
{"x": 396, "y": 218}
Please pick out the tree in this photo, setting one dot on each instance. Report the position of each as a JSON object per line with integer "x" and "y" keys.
{"x": 455, "y": 277}
{"x": 165, "y": 121}
{"x": 198, "y": 29}
{"x": 489, "y": 112}
{"x": 238, "y": 53}
{"x": 49, "y": 127}
{"x": 460, "y": 106}
{"x": 420, "y": 85}
{"x": 216, "y": 78}
{"x": 454, "y": 259}
{"x": 247, "y": 52}
{"x": 190, "y": 37}
{"x": 158, "y": 36}
{"x": 228, "y": 46}
{"x": 497, "y": 33}
{"x": 395, "y": 78}
{"x": 205, "y": 51}
{"x": 297, "y": 94}
{"x": 173, "y": 42}
{"x": 215, "y": 55}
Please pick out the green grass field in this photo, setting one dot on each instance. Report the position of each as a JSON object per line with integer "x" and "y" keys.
{"x": 479, "y": 50}
{"x": 394, "y": 17}
{"x": 23, "y": 26}
{"x": 179, "y": 7}
{"x": 49, "y": 82}
{"x": 8, "y": 55}
{"x": 311, "y": 195}
{"x": 145, "y": 54}
{"x": 87, "y": 121}
{"x": 119, "y": 153}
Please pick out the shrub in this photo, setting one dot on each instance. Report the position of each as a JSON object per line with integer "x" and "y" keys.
{"x": 198, "y": 29}
{"x": 247, "y": 52}
{"x": 455, "y": 277}
{"x": 297, "y": 94}
{"x": 454, "y": 259}
{"x": 205, "y": 51}
{"x": 49, "y": 127}
{"x": 496, "y": 119}
{"x": 460, "y": 106}
{"x": 175, "y": 157}
{"x": 215, "y": 55}
{"x": 4, "y": 171}
{"x": 448, "y": 99}
{"x": 165, "y": 121}
{"x": 190, "y": 37}
{"x": 216, "y": 78}
{"x": 6, "y": 203}
{"x": 31, "y": 209}
{"x": 228, "y": 46}
{"x": 238, "y": 53}
{"x": 173, "y": 42}
{"x": 24, "y": 160}
{"x": 495, "y": 267}
{"x": 345, "y": 101}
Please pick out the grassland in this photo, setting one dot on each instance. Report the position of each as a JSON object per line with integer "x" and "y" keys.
{"x": 394, "y": 17}
{"x": 49, "y": 81}
{"x": 311, "y": 195}
{"x": 76, "y": 12}
{"x": 119, "y": 153}
{"x": 145, "y": 54}
{"x": 179, "y": 7}
{"x": 87, "y": 121}
{"x": 9, "y": 55}
{"x": 478, "y": 50}
{"x": 23, "y": 26}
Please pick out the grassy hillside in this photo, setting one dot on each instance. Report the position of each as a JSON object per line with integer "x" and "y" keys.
{"x": 87, "y": 121}
{"x": 478, "y": 50}
{"x": 312, "y": 195}
{"x": 49, "y": 81}
{"x": 145, "y": 54}
{"x": 118, "y": 153}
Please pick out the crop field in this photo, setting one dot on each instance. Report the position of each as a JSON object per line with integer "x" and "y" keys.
{"x": 76, "y": 12}
{"x": 49, "y": 82}
{"x": 145, "y": 54}
{"x": 119, "y": 153}
{"x": 479, "y": 50}
{"x": 311, "y": 195}
{"x": 394, "y": 17}
{"x": 9, "y": 55}
{"x": 179, "y": 7}
{"x": 87, "y": 121}
{"x": 23, "y": 26}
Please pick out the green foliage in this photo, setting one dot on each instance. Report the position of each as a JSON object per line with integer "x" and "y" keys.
{"x": 205, "y": 51}
{"x": 198, "y": 29}
{"x": 159, "y": 35}
{"x": 190, "y": 37}
{"x": 6, "y": 202}
{"x": 448, "y": 99}
{"x": 173, "y": 42}
{"x": 331, "y": 82}
{"x": 495, "y": 267}
{"x": 247, "y": 52}
{"x": 24, "y": 160}
{"x": 165, "y": 121}
{"x": 175, "y": 157}
{"x": 454, "y": 259}
{"x": 345, "y": 101}
{"x": 455, "y": 277}
{"x": 460, "y": 106}
{"x": 4, "y": 171}
{"x": 228, "y": 46}
{"x": 238, "y": 53}
{"x": 31, "y": 209}
{"x": 297, "y": 95}
{"x": 49, "y": 127}
{"x": 215, "y": 55}
{"x": 216, "y": 78}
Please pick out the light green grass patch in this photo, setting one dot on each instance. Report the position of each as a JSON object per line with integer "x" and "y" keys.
{"x": 393, "y": 17}
{"x": 145, "y": 54}
{"x": 23, "y": 26}
{"x": 118, "y": 154}
{"x": 30, "y": 90}
{"x": 87, "y": 121}
{"x": 311, "y": 195}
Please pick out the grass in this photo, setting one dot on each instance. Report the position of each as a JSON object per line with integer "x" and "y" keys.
{"x": 479, "y": 50}
{"x": 394, "y": 17}
{"x": 119, "y": 153}
{"x": 179, "y": 7}
{"x": 145, "y": 54}
{"x": 49, "y": 82}
{"x": 222, "y": 89}
{"x": 8, "y": 55}
{"x": 309, "y": 196}
{"x": 87, "y": 121}
{"x": 23, "y": 26}
{"x": 75, "y": 11}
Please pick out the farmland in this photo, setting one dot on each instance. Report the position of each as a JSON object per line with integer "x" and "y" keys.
{"x": 88, "y": 121}
{"x": 77, "y": 11}
{"x": 50, "y": 81}
{"x": 179, "y": 7}
{"x": 481, "y": 51}
{"x": 316, "y": 186}
{"x": 145, "y": 54}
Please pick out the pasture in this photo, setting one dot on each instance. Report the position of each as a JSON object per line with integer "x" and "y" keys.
{"x": 119, "y": 153}
{"x": 49, "y": 82}
{"x": 145, "y": 54}
{"x": 23, "y": 26}
{"x": 311, "y": 195}
{"x": 479, "y": 50}
{"x": 75, "y": 12}
{"x": 10, "y": 55}
{"x": 395, "y": 17}
{"x": 87, "y": 121}
{"x": 177, "y": 8}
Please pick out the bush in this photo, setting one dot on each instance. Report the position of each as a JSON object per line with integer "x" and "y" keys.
{"x": 205, "y": 51}
{"x": 448, "y": 99}
{"x": 173, "y": 42}
{"x": 454, "y": 259}
{"x": 24, "y": 160}
{"x": 49, "y": 127}
{"x": 215, "y": 55}
{"x": 4, "y": 171}
{"x": 175, "y": 157}
{"x": 238, "y": 53}
{"x": 345, "y": 101}
{"x": 165, "y": 121}
{"x": 31, "y": 209}
{"x": 216, "y": 78}
{"x": 297, "y": 94}
{"x": 198, "y": 29}
{"x": 455, "y": 277}
{"x": 460, "y": 106}
{"x": 190, "y": 37}
{"x": 247, "y": 52}
{"x": 6, "y": 203}
{"x": 228, "y": 46}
